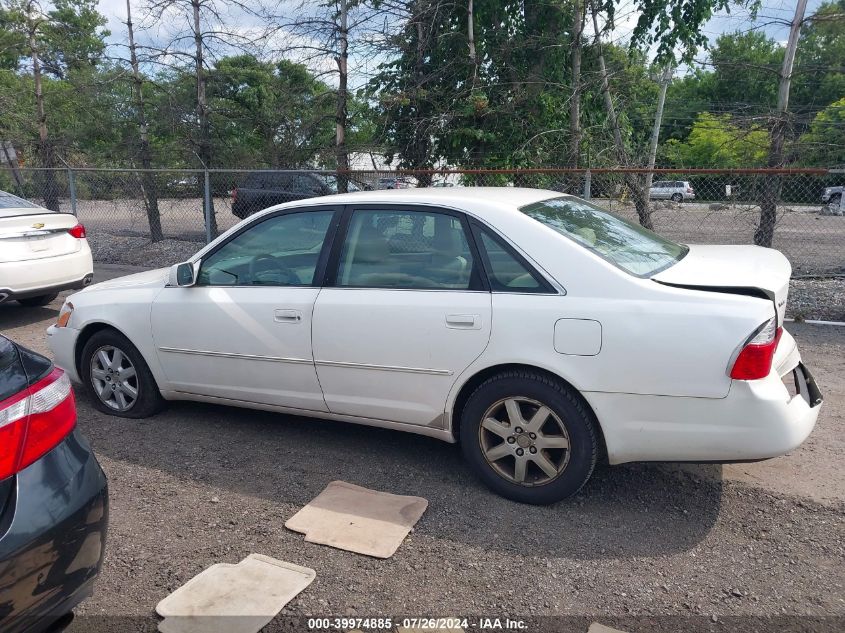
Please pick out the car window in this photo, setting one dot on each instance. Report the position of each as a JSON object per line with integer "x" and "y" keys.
{"x": 306, "y": 184}
{"x": 505, "y": 271}
{"x": 406, "y": 249}
{"x": 627, "y": 245}
{"x": 280, "y": 251}
{"x": 9, "y": 201}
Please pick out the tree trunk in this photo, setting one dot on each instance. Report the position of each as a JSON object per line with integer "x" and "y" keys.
{"x": 765, "y": 233}
{"x": 632, "y": 181}
{"x": 575, "y": 101}
{"x": 655, "y": 132}
{"x": 473, "y": 55}
{"x": 148, "y": 183}
{"x": 204, "y": 144}
{"x": 49, "y": 189}
{"x": 341, "y": 113}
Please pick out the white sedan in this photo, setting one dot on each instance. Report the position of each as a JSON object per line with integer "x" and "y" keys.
{"x": 537, "y": 329}
{"x": 41, "y": 252}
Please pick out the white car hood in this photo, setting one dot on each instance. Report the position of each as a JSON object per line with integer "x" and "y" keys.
{"x": 147, "y": 279}
{"x": 733, "y": 267}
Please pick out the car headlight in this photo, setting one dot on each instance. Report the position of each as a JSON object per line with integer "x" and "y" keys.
{"x": 64, "y": 314}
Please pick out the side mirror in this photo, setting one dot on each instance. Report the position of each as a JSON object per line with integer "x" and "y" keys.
{"x": 183, "y": 275}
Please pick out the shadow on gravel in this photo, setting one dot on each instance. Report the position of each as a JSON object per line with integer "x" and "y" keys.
{"x": 635, "y": 510}
{"x": 13, "y": 314}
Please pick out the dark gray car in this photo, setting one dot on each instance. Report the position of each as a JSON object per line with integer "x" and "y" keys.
{"x": 53, "y": 496}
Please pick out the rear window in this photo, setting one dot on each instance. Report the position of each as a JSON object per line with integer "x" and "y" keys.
{"x": 12, "y": 377}
{"x": 9, "y": 201}
{"x": 624, "y": 244}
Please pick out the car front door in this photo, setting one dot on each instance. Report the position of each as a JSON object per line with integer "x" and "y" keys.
{"x": 405, "y": 310}
{"x": 243, "y": 331}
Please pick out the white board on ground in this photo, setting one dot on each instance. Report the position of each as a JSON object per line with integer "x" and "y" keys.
{"x": 358, "y": 519}
{"x": 228, "y": 598}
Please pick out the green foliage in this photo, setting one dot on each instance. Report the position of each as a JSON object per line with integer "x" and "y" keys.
{"x": 824, "y": 143}
{"x": 67, "y": 38}
{"x": 674, "y": 24}
{"x": 717, "y": 142}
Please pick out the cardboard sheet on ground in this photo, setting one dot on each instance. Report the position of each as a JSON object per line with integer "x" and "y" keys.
{"x": 229, "y": 598}
{"x": 358, "y": 519}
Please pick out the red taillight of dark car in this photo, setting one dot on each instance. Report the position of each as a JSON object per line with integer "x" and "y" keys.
{"x": 34, "y": 421}
{"x": 755, "y": 359}
{"x": 234, "y": 194}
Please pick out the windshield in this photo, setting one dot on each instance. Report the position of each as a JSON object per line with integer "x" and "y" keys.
{"x": 629, "y": 246}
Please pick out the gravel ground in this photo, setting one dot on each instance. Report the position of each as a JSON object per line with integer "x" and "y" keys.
{"x": 643, "y": 547}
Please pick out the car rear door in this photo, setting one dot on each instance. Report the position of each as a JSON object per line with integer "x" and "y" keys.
{"x": 404, "y": 311}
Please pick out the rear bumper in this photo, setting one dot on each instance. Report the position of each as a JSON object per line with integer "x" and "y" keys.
{"x": 758, "y": 419}
{"x": 53, "y": 537}
{"x": 30, "y": 278}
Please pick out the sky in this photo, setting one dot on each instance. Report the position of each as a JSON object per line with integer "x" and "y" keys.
{"x": 773, "y": 18}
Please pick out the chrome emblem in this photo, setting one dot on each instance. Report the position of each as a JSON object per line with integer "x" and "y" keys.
{"x": 38, "y": 225}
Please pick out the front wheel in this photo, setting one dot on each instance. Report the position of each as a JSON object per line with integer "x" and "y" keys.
{"x": 528, "y": 437}
{"x": 117, "y": 378}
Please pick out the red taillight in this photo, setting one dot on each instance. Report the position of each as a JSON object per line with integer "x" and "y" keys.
{"x": 78, "y": 231}
{"x": 689, "y": 189}
{"x": 34, "y": 421}
{"x": 755, "y": 359}
{"x": 234, "y": 194}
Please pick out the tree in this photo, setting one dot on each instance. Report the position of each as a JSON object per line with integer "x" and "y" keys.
{"x": 765, "y": 232}
{"x": 824, "y": 143}
{"x": 147, "y": 180}
{"x": 56, "y": 42}
{"x": 716, "y": 142}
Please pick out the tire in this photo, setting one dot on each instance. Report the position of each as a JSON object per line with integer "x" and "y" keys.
{"x": 147, "y": 400}
{"x": 835, "y": 200}
{"x": 37, "y": 302}
{"x": 677, "y": 197}
{"x": 568, "y": 422}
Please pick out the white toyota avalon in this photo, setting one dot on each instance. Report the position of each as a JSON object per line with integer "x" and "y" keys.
{"x": 538, "y": 330}
{"x": 41, "y": 252}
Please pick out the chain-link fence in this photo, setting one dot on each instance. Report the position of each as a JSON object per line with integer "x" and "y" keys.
{"x": 162, "y": 216}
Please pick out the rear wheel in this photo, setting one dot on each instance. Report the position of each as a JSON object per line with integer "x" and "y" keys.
{"x": 835, "y": 200}
{"x": 676, "y": 197}
{"x": 117, "y": 378}
{"x": 528, "y": 437}
{"x": 40, "y": 300}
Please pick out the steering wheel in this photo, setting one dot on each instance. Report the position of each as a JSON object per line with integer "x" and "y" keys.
{"x": 290, "y": 277}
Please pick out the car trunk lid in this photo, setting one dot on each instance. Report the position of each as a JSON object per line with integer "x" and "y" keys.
{"x": 748, "y": 270}
{"x": 27, "y": 235}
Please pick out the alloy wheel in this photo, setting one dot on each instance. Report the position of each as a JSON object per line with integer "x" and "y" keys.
{"x": 524, "y": 441}
{"x": 114, "y": 378}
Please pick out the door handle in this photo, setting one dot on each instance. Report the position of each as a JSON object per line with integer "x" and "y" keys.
{"x": 463, "y": 321}
{"x": 287, "y": 316}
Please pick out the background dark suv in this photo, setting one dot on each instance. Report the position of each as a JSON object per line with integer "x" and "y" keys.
{"x": 262, "y": 189}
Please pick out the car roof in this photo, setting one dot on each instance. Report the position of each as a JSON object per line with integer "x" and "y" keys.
{"x": 463, "y": 197}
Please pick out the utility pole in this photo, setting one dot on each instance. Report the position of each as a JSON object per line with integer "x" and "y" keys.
{"x": 341, "y": 114}
{"x": 765, "y": 232}
{"x": 658, "y": 121}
